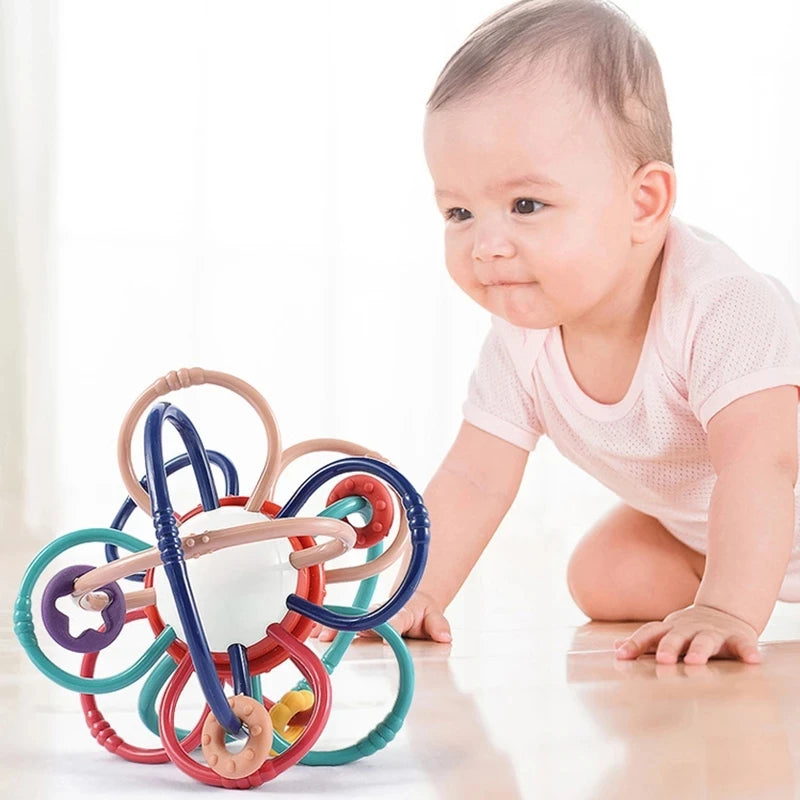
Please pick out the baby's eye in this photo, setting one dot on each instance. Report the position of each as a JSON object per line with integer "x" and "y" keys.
{"x": 525, "y": 205}
{"x": 456, "y": 214}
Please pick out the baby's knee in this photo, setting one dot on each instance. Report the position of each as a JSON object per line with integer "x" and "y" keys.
{"x": 587, "y": 580}
{"x": 605, "y": 574}
{"x": 616, "y": 576}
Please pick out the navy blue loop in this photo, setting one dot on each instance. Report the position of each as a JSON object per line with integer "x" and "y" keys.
{"x": 240, "y": 669}
{"x": 169, "y": 544}
{"x": 173, "y": 465}
{"x": 419, "y": 526}
{"x": 198, "y": 458}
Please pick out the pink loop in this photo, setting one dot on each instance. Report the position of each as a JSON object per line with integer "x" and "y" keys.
{"x": 183, "y": 379}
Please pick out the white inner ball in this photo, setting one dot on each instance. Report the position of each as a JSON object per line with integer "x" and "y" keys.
{"x": 238, "y": 590}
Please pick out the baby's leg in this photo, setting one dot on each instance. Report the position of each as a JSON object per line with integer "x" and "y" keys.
{"x": 629, "y": 567}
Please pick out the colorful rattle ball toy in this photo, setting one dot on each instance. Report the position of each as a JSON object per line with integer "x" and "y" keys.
{"x": 247, "y": 547}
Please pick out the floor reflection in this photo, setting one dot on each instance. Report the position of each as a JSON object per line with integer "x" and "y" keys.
{"x": 724, "y": 729}
{"x": 449, "y": 735}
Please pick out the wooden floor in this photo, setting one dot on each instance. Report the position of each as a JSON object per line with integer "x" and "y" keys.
{"x": 528, "y": 702}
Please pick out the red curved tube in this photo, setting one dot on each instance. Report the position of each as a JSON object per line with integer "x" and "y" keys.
{"x": 105, "y": 735}
{"x": 312, "y": 670}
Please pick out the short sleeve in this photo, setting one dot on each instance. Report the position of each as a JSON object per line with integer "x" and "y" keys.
{"x": 497, "y": 402}
{"x": 744, "y": 336}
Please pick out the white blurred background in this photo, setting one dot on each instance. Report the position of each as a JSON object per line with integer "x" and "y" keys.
{"x": 241, "y": 186}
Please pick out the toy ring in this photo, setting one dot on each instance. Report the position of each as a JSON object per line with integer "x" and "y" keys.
{"x": 256, "y": 748}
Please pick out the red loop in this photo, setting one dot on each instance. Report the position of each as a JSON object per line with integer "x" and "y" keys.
{"x": 108, "y": 737}
{"x": 319, "y": 682}
{"x": 265, "y": 654}
{"x": 372, "y": 490}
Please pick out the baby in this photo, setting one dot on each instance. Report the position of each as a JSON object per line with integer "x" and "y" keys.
{"x": 651, "y": 355}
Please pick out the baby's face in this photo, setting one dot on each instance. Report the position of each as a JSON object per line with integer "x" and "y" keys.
{"x": 537, "y": 207}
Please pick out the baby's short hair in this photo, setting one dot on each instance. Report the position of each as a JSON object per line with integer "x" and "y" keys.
{"x": 594, "y": 44}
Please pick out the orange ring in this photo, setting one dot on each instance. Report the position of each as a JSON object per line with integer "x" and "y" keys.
{"x": 256, "y": 749}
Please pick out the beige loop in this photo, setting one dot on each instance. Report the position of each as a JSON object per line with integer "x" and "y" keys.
{"x": 182, "y": 379}
{"x": 198, "y": 544}
{"x": 97, "y": 601}
{"x": 394, "y": 551}
{"x": 256, "y": 749}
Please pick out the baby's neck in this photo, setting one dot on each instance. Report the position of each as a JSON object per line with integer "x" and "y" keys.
{"x": 603, "y": 359}
{"x": 626, "y": 314}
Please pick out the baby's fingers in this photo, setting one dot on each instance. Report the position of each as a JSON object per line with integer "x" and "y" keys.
{"x": 394, "y": 622}
{"x": 401, "y": 622}
{"x": 744, "y": 648}
{"x": 704, "y": 645}
{"x": 642, "y": 641}
{"x": 437, "y": 627}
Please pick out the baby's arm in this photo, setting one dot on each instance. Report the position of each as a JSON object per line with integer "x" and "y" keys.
{"x": 466, "y": 499}
{"x": 753, "y": 446}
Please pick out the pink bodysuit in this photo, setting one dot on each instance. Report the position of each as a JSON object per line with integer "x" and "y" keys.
{"x": 718, "y": 330}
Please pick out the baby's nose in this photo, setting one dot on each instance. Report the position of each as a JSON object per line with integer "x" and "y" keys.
{"x": 492, "y": 242}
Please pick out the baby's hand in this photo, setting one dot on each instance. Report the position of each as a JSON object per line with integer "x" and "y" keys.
{"x": 700, "y": 632}
{"x": 420, "y": 618}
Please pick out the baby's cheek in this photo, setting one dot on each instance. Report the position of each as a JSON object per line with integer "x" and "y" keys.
{"x": 460, "y": 270}
{"x": 572, "y": 288}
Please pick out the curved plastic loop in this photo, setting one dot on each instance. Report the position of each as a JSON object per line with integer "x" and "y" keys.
{"x": 106, "y": 736}
{"x": 173, "y": 465}
{"x": 147, "y": 697}
{"x": 172, "y": 557}
{"x": 195, "y": 545}
{"x": 198, "y": 458}
{"x": 318, "y": 554}
{"x": 57, "y": 623}
{"x": 23, "y": 618}
{"x": 155, "y": 681}
{"x": 361, "y": 571}
{"x": 418, "y": 523}
{"x": 182, "y": 379}
{"x": 313, "y": 671}
{"x": 388, "y": 727}
{"x": 343, "y": 639}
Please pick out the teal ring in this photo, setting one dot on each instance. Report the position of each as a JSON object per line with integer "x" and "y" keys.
{"x": 23, "y": 618}
{"x": 387, "y": 728}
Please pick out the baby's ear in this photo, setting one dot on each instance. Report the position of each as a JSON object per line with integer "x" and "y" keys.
{"x": 653, "y": 189}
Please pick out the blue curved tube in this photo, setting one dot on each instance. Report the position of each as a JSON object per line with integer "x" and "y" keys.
{"x": 240, "y": 669}
{"x": 171, "y": 549}
{"x": 173, "y": 465}
{"x": 419, "y": 526}
{"x": 198, "y": 457}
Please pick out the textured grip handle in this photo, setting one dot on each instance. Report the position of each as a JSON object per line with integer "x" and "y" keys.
{"x": 179, "y": 379}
